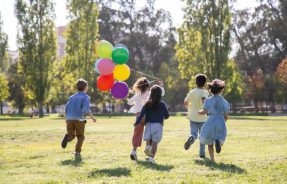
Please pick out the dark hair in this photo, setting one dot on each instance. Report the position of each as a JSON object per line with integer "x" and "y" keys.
{"x": 216, "y": 86}
{"x": 142, "y": 84}
{"x": 155, "y": 98}
{"x": 200, "y": 80}
{"x": 81, "y": 84}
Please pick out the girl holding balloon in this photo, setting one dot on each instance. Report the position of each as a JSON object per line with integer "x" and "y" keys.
{"x": 141, "y": 88}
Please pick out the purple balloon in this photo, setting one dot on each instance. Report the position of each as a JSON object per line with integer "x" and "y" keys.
{"x": 120, "y": 90}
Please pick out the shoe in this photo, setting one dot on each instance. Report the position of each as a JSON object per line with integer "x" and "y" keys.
{"x": 134, "y": 155}
{"x": 77, "y": 155}
{"x": 151, "y": 160}
{"x": 217, "y": 146}
{"x": 188, "y": 143}
{"x": 65, "y": 141}
{"x": 147, "y": 150}
{"x": 202, "y": 156}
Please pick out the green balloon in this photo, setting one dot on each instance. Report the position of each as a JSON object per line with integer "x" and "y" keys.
{"x": 104, "y": 49}
{"x": 120, "y": 55}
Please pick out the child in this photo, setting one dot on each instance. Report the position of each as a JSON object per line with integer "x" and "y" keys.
{"x": 142, "y": 93}
{"x": 214, "y": 129}
{"x": 194, "y": 102}
{"x": 154, "y": 111}
{"x": 77, "y": 106}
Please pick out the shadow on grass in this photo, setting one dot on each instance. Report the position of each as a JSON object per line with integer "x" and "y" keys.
{"x": 155, "y": 166}
{"x": 13, "y": 119}
{"x": 115, "y": 172}
{"x": 221, "y": 166}
{"x": 74, "y": 162}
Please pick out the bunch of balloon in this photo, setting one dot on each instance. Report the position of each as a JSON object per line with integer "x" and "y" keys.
{"x": 112, "y": 68}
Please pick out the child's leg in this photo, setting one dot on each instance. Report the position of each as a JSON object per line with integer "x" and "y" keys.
{"x": 201, "y": 146}
{"x": 211, "y": 152}
{"x": 154, "y": 149}
{"x": 138, "y": 135}
{"x": 149, "y": 142}
{"x": 70, "y": 135}
{"x": 71, "y": 130}
{"x": 80, "y": 133}
{"x": 193, "y": 135}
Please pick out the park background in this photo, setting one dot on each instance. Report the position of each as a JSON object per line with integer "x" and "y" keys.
{"x": 240, "y": 42}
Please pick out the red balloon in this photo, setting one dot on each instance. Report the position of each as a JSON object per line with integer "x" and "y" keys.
{"x": 105, "y": 82}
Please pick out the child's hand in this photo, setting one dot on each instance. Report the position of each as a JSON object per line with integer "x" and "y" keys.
{"x": 135, "y": 124}
{"x": 160, "y": 83}
{"x": 94, "y": 120}
{"x": 202, "y": 112}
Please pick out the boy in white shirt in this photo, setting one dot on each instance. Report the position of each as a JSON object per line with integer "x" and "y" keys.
{"x": 194, "y": 102}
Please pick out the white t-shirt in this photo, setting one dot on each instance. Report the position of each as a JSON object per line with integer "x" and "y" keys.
{"x": 194, "y": 99}
{"x": 139, "y": 100}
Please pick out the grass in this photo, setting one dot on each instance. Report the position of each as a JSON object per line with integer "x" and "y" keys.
{"x": 254, "y": 152}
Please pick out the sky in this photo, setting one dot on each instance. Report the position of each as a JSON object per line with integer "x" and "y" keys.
{"x": 173, "y": 6}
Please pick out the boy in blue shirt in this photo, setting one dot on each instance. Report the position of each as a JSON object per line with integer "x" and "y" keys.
{"x": 77, "y": 106}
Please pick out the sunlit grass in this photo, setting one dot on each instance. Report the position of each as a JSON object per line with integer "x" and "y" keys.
{"x": 255, "y": 152}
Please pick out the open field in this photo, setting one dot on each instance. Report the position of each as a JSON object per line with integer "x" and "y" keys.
{"x": 255, "y": 152}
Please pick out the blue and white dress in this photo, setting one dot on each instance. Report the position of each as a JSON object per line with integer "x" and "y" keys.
{"x": 214, "y": 128}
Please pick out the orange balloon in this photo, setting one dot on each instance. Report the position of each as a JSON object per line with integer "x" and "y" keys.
{"x": 105, "y": 82}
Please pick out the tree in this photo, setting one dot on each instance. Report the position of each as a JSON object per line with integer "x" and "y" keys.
{"x": 3, "y": 48}
{"x": 37, "y": 46}
{"x": 4, "y": 92}
{"x": 204, "y": 45}
{"x": 82, "y": 33}
{"x": 16, "y": 85}
{"x": 282, "y": 72}
{"x": 262, "y": 46}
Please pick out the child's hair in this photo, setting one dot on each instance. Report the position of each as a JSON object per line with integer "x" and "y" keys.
{"x": 81, "y": 84}
{"x": 216, "y": 86}
{"x": 155, "y": 97}
{"x": 141, "y": 85}
{"x": 200, "y": 80}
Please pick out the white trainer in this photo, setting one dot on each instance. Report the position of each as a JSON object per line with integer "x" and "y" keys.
{"x": 151, "y": 160}
{"x": 134, "y": 155}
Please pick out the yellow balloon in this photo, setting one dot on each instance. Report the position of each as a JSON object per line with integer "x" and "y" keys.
{"x": 122, "y": 72}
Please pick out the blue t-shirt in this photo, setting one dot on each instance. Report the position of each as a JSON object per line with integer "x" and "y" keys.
{"x": 154, "y": 115}
{"x": 77, "y": 106}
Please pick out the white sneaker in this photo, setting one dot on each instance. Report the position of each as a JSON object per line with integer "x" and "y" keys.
{"x": 151, "y": 160}
{"x": 133, "y": 155}
{"x": 147, "y": 150}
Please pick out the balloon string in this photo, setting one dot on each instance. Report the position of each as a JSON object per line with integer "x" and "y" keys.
{"x": 144, "y": 74}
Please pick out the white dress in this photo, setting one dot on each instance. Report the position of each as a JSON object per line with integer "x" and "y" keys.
{"x": 139, "y": 100}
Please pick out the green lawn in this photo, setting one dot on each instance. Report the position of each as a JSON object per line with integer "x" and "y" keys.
{"x": 255, "y": 152}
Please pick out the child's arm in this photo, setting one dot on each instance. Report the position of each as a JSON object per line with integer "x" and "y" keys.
{"x": 165, "y": 112}
{"x": 91, "y": 115}
{"x": 225, "y": 117}
{"x": 132, "y": 100}
{"x": 160, "y": 83}
{"x": 87, "y": 109}
{"x": 140, "y": 117}
{"x": 202, "y": 112}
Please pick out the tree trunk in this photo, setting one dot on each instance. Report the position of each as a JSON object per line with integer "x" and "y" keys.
{"x": 47, "y": 108}
{"x": 1, "y": 108}
{"x": 20, "y": 109}
{"x": 256, "y": 105}
{"x": 41, "y": 110}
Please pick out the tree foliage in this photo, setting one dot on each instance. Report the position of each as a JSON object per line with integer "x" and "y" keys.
{"x": 37, "y": 47}
{"x": 204, "y": 44}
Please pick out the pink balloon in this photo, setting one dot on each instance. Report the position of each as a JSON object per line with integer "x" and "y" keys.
{"x": 106, "y": 66}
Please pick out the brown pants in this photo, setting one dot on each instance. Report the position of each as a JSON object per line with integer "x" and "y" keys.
{"x": 76, "y": 128}
{"x": 138, "y": 133}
